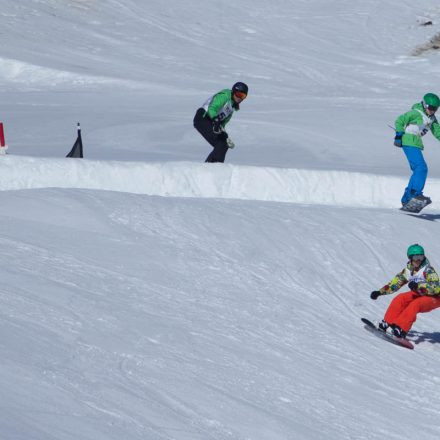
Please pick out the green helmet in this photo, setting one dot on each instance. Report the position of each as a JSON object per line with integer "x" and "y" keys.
{"x": 415, "y": 249}
{"x": 432, "y": 100}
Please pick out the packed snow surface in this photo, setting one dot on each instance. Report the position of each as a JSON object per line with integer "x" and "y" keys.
{"x": 146, "y": 295}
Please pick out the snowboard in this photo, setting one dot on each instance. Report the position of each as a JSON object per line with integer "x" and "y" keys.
{"x": 390, "y": 338}
{"x": 415, "y": 206}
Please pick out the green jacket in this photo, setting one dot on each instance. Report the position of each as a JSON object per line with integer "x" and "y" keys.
{"x": 221, "y": 106}
{"x": 415, "y": 124}
{"x": 426, "y": 277}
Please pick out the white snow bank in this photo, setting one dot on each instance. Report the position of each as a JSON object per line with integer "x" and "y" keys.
{"x": 24, "y": 73}
{"x": 186, "y": 179}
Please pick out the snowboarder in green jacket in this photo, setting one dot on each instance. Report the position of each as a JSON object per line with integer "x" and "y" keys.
{"x": 410, "y": 127}
{"x": 210, "y": 119}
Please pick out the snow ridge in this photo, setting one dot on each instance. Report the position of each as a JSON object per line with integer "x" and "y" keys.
{"x": 32, "y": 75}
{"x": 188, "y": 179}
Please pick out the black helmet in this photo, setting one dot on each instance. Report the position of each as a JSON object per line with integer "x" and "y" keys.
{"x": 240, "y": 87}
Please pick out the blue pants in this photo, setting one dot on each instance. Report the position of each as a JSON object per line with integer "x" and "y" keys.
{"x": 420, "y": 172}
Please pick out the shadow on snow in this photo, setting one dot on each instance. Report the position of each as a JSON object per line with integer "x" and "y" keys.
{"x": 430, "y": 217}
{"x": 432, "y": 338}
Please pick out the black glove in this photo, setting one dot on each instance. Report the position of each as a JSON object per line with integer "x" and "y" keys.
{"x": 216, "y": 126}
{"x": 398, "y": 139}
{"x": 222, "y": 136}
{"x": 375, "y": 294}
{"x": 413, "y": 286}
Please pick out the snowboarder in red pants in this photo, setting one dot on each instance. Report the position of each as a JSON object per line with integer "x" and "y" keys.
{"x": 423, "y": 297}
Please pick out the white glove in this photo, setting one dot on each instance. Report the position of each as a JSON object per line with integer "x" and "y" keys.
{"x": 230, "y": 143}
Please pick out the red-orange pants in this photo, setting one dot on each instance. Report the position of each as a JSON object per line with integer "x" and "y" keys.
{"x": 404, "y": 308}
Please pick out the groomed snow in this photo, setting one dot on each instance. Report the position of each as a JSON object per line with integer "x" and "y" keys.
{"x": 140, "y": 317}
{"x": 146, "y": 295}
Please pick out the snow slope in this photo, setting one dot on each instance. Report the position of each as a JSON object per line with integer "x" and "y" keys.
{"x": 325, "y": 77}
{"x": 131, "y": 316}
{"x": 146, "y": 295}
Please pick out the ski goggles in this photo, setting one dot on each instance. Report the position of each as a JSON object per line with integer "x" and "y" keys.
{"x": 432, "y": 108}
{"x": 417, "y": 257}
{"x": 240, "y": 95}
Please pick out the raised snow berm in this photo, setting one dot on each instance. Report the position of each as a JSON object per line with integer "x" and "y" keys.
{"x": 200, "y": 180}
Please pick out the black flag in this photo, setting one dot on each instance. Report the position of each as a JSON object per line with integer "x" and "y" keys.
{"x": 77, "y": 149}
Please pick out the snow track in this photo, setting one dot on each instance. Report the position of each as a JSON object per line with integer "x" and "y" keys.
{"x": 156, "y": 318}
{"x": 167, "y": 299}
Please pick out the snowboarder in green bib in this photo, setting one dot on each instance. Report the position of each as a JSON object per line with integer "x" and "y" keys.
{"x": 410, "y": 127}
{"x": 210, "y": 120}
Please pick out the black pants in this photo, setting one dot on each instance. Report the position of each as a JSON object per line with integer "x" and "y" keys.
{"x": 204, "y": 127}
